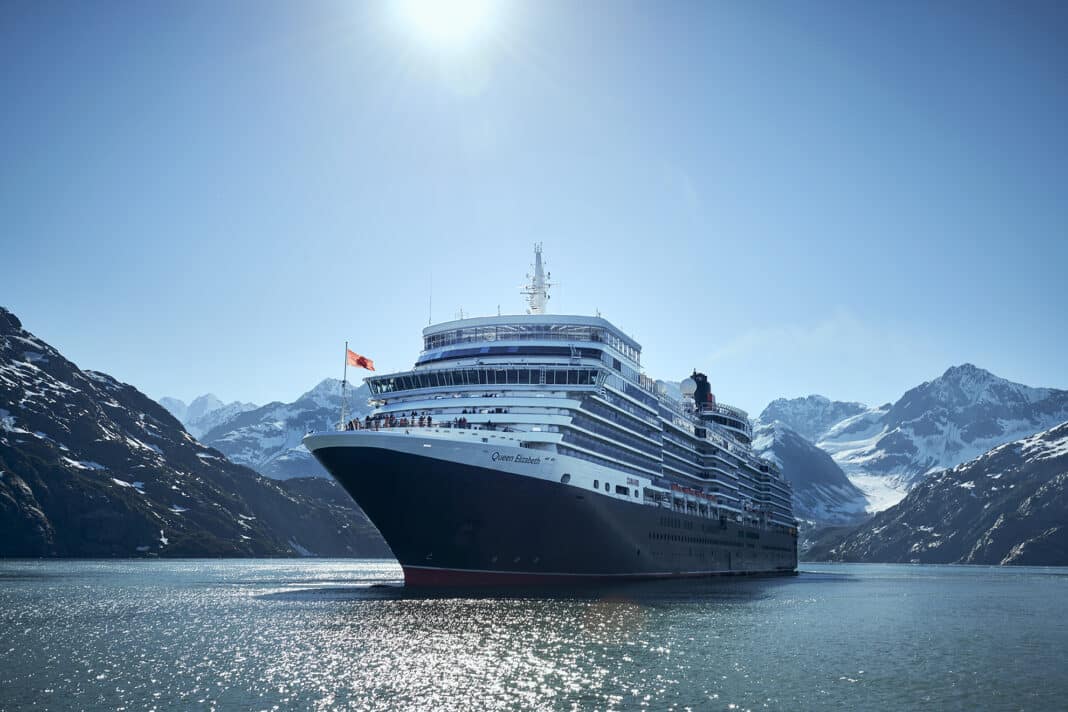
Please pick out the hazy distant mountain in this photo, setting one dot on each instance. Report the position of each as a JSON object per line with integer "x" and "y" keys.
{"x": 1008, "y": 506}
{"x": 822, "y": 492}
{"x": 90, "y": 466}
{"x": 176, "y": 407}
{"x": 204, "y": 413}
{"x": 268, "y": 438}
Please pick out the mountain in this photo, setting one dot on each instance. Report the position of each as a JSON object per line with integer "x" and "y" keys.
{"x": 938, "y": 424}
{"x": 176, "y": 407}
{"x": 1008, "y": 506}
{"x": 204, "y": 413}
{"x": 812, "y": 416}
{"x": 268, "y": 438}
{"x": 822, "y": 492}
{"x": 90, "y": 466}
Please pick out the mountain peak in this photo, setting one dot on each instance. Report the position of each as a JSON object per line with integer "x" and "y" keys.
{"x": 810, "y": 416}
{"x": 969, "y": 371}
{"x": 176, "y": 406}
{"x": 967, "y": 385}
{"x": 327, "y": 386}
{"x": 8, "y": 322}
{"x": 202, "y": 405}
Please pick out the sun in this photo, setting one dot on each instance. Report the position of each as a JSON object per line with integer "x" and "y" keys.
{"x": 446, "y": 24}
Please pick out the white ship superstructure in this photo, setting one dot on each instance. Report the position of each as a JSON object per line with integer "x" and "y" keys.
{"x": 563, "y": 400}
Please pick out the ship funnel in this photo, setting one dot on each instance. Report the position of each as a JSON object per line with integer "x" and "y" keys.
{"x": 703, "y": 391}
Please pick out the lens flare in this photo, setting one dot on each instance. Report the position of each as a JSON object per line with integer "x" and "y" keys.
{"x": 446, "y": 24}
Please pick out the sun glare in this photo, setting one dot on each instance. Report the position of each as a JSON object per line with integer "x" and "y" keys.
{"x": 446, "y": 24}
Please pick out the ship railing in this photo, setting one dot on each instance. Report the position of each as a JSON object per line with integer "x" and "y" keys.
{"x": 722, "y": 409}
{"x": 421, "y": 422}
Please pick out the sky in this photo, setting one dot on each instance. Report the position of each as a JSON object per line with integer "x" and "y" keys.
{"x": 837, "y": 197}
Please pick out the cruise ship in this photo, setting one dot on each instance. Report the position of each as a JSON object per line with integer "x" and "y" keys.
{"x": 532, "y": 449}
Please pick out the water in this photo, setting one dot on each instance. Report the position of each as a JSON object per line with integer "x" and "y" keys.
{"x": 344, "y": 635}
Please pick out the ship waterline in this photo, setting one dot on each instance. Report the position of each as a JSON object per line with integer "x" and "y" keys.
{"x": 531, "y": 448}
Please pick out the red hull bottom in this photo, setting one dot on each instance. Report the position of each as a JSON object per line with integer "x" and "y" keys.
{"x": 431, "y": 577}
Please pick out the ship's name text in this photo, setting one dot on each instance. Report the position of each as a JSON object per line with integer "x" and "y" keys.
{"x": 519, "y": 459}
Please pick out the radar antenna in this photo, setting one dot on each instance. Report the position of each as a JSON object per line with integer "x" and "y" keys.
{"x": 537, "y": 290}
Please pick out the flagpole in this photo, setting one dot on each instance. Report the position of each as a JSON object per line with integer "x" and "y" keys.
{"x": 344, "y": 393}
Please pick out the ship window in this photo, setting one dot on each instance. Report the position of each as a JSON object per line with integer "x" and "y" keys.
{"x": 566, "y": 478}
{"x": 607, "y": 486}
{"x": 620, "y": 489}
{"x": 596, "y": 484}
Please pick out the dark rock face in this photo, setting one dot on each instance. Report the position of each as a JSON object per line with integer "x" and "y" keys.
{"x": 90, "y": 466}
{"x": 1008, "y": 506}
{"x": 822, "y": 492}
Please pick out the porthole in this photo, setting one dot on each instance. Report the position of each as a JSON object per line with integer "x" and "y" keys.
{"x": 596, "y": 484}
{"x": 606, "y": 486}
{"x": 565, "y": 478}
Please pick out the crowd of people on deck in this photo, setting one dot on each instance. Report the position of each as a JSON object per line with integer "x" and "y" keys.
{"x": 414, "y": 420}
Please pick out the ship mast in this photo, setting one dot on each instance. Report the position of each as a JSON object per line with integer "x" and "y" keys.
{"x": 537, "y": 290}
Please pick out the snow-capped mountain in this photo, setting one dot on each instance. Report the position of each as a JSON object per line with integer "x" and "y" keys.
{"x": 812, "y": 416}
{"x": 822, "y": 492}
{"x": 1008, "y": 506}
{"x": 90, "y": 466}
{"x": 268, "y": 438}
{"x": 204, "y": 413}
{"x": 175, "y": 406}
{"x": 938, "y": 424}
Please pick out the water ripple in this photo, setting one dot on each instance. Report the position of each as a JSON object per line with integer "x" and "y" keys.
{"x": 345, "y": 635}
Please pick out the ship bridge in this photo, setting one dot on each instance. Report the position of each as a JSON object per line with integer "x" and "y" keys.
{"x": 523, "y": 334}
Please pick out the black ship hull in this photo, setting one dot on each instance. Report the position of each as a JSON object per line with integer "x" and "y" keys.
{"x": 452, "y": 523}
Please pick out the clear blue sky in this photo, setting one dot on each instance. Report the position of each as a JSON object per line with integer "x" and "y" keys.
{"x": 834, "y": 197}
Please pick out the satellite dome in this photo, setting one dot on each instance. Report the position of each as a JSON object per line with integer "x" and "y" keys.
{"x": 688, "y": 387}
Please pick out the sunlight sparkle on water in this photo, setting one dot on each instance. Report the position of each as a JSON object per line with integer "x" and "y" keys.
{"x": 345, "y": 635}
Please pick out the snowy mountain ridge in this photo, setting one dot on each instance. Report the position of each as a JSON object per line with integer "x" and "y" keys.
{"x": 268, "y": 438}
{"x": 1006, "y": 506}
{"x": 937, "y": 425}
{"x": 810, "y": 416}
{"x": 90, "y": 466}
{"x": 204, "y": 413}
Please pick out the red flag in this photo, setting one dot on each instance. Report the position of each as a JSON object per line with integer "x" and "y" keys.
{"x": 355, "y": 359}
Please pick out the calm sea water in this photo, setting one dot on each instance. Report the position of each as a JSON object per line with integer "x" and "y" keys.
{"x": 344, "y": 635}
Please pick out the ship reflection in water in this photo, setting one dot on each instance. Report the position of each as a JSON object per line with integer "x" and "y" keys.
{"x": 347, "y": 635}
